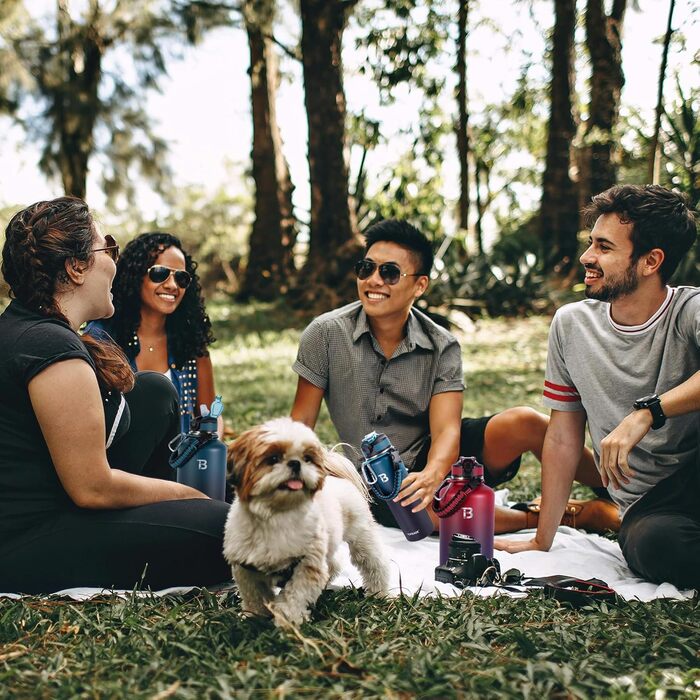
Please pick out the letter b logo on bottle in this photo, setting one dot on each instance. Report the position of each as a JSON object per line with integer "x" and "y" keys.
{"x": 201, "y": 464}
{"x": 467, "y": 513}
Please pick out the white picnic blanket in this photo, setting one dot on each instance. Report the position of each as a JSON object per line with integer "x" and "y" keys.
{"x": 574, "y": 553}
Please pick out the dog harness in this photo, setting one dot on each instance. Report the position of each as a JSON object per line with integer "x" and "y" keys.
{"x": 284, "y": 575}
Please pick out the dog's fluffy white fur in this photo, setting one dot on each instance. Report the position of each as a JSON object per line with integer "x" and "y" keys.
{"x": 296, "y": 502}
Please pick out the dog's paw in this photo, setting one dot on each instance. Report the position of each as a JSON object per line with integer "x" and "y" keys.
{"x": 255, "y": 610}
{"x": 286, "y": 616}
{"x": 376, "y": 583}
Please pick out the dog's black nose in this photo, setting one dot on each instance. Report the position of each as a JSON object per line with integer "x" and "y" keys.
{"x": 294, "y": 465}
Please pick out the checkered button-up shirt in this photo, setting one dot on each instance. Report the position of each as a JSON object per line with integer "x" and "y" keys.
{"x": 364, "y": 391}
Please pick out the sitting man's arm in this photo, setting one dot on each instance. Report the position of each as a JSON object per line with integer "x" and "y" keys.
{"x": 307, "y": 402}
{"x": 445, "y": 416}
{"x": 617, "y": 445}
{"x": 561, "y": 453}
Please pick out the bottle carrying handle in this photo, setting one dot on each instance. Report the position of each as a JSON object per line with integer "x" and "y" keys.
{"x": 396, "y": 486}
{"x": 447, "y": 509}
{"x": 186, "y": 448}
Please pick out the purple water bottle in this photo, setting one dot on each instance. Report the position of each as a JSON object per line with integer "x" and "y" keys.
{"x": 465, "y": 505}
{"x": 200, "y": 457}
{"x": 383, "y": 470}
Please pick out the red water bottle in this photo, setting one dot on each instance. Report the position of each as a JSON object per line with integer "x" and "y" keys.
{"x": 465, "y": 505}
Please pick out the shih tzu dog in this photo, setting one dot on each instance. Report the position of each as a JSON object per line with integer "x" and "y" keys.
{"x": 296, "y": 502}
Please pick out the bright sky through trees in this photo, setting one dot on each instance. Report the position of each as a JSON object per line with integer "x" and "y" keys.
{"x": 204, "y": 112}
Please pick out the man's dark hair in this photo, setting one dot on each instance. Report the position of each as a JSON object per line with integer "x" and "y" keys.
{"x": 660, "y": 218}
{"x": 403, "y": 234}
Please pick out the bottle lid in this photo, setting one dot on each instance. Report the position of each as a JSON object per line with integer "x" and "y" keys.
{"x": 373, "y": 443}
{"x": 467, "y": 468}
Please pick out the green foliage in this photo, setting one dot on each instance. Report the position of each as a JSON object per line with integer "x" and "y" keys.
{"x": 509, "y": 280}
{"x": 411, "y": 190}
{"x": 213, "y": 227}
{"x": 403, "y": 40}
{"x": 55, "y": 83}
{"x": 681, "y": 140}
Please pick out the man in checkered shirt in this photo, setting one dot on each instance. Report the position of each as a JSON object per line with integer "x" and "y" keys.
{"x": 382, "y": 365}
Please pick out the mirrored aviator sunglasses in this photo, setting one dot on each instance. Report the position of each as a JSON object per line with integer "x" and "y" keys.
{"x": 389, "y": 272}
{"x": 112, "y": 248}
{"x": 159, "y": 273}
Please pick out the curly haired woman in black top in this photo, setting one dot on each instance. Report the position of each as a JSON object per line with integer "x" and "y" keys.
{"x": 160, "y": 321}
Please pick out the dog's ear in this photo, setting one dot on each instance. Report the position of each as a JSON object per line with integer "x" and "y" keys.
{"x": 242, "y": 460}
{"x": 235, "y": 462}
{"x": 319, "y": 456}
{"x": 231, "y": 475}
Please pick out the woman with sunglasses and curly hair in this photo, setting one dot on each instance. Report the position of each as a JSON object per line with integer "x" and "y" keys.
{"x": 159, "y": 319}
{"x": 86, "y": 493}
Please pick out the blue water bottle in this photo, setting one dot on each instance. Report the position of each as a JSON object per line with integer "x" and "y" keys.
{"x": 199, "y": 456}
{"x": 383, "y": 470}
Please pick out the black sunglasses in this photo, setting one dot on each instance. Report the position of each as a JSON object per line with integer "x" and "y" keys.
{"x": 389, "y": 272}
{"x": 112, "y": 248}
{"x": 160, "y": 273}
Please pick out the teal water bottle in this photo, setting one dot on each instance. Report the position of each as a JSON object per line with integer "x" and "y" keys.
{"x": 199, "y": 456}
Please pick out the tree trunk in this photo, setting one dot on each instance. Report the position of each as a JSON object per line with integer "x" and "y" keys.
{"x": 333, "y": 244}
{"x": 463, "y": 118}
{"x": 604, "y": 42}
{"x": 75, "y": 103}
{"x": 478, "y": 228}
{"x": 654, "y": 150}
{"x": 559, "y": 218}
{"x": 270, "y": 260}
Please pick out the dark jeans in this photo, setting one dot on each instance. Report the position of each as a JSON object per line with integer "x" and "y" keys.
{"x": 660, "y": 533}
{"x": 170, "y": 543}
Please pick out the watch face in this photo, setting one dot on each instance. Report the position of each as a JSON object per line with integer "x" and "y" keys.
{"x": 647, "y": 399}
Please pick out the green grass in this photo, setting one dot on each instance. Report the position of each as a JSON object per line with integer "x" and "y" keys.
{"x": 199, "y": 646}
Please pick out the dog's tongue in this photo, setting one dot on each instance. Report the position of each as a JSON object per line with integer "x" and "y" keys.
{"x": 295, "y": 485}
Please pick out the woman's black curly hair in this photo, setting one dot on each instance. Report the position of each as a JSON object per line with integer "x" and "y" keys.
{"x": 188, "y": 327}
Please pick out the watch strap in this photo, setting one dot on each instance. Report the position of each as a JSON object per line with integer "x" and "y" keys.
{"x": 653, "y": 403}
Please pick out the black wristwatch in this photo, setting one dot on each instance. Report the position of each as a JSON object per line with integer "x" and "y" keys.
{"x": 653, "y": 403}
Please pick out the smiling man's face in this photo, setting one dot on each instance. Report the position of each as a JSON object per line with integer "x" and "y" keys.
{"x": 610, "y": 272}
{"x": 381, "y": 300}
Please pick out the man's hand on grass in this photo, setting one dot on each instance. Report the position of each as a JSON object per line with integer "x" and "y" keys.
{"x": 515, "y": 546}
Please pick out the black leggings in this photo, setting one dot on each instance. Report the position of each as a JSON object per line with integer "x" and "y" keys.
{"x": 170, "y": 543}
{"x": 660, "y": 533}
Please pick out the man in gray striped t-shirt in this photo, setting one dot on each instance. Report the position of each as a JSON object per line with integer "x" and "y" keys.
{"x": 627, "y": 362}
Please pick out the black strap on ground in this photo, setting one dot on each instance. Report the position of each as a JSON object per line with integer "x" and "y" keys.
{"x": 573, "y": 590}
